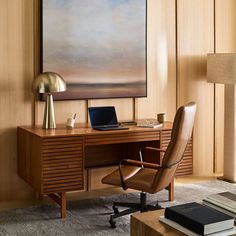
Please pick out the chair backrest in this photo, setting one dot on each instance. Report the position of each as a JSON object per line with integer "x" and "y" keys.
{"x": 181, "y": 133}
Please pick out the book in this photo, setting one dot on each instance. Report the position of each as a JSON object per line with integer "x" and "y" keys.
{"x": 149, "y": 124}
{"x": 222, "y": 209}
{"x": 188, "y": 232}
{"x": 199, "y": 218}
{"x": 225, "y": 200}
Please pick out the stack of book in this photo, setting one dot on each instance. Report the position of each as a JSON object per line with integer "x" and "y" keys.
{"x": 224, "y": 202}
{"x": 149, "y": 123}
{"x": 195, "y": 219}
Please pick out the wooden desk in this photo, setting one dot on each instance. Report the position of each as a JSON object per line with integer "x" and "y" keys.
{"x": 147, "y": 224}
{"x": 53, "y": 161}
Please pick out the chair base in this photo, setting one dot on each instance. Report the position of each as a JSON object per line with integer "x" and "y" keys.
{"x": 132, "y": 207}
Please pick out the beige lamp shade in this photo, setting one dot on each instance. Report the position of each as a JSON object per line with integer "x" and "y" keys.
{"x": 221, "y": 68}
{"x": 49, "y": 82}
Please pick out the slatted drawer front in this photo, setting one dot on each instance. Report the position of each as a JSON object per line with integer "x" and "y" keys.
{"x": 186, "y": 165}
{"x": 165, "y": 138}
{"x": 62, "y": 164}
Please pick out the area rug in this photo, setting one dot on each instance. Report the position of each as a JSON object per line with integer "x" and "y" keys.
{"x": 90, "y": 217}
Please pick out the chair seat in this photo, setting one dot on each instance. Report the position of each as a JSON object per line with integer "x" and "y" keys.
{"x": 134, "y": 177}
{"x": 114, "y": 177}
{"x": 142, "y": 180}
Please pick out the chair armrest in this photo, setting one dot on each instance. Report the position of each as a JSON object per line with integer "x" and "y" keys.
{"x": 153, "y": 149}
{"x": 140, "y": 164}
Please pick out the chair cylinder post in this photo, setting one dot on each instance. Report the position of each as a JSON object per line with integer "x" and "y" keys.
{"x": 143, "y": 201}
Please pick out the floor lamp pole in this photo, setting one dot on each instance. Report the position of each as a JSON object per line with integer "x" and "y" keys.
{"x": 229, "y": 173}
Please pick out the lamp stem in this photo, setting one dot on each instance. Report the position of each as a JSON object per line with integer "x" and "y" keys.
{"x": 49, "y": 117}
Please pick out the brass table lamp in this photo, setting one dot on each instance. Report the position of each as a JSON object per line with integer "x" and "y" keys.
{"x": 49, "y": 82}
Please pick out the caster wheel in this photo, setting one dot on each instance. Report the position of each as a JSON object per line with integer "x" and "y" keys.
{"x": 112, "y": 223}
{"x": 115, "y": 209}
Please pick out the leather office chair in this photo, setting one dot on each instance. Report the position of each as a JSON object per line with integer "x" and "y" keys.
{"x": 149, "y": 177}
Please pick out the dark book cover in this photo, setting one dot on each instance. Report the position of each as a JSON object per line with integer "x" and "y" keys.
{"x": 199, "y": 218}
{"x": 228, "y": 195}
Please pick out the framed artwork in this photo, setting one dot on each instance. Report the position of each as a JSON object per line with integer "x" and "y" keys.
{"x": 97, "y": 46}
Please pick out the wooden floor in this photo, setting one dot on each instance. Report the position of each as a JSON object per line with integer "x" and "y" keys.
{"x": 95, "y": 193}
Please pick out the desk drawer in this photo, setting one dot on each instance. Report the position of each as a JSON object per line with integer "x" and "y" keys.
{"x": 119, "y": 137}
{"x": 62, "y": 164}
{"x": 186, "y": 165}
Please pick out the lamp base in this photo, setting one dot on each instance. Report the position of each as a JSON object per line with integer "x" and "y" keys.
{"x": 229, "y": 171}
{"x": 49, "y": 117}
{"x": 226, "y": 180}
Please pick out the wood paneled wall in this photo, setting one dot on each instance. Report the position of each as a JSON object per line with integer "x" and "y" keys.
{"x": 161, "y": 61}
{"x": 16, "y": 75}
{"x": 195, "y": 30}
{"x": 180, "y": 33}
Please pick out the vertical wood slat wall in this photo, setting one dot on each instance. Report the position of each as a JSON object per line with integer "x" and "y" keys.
{"x": 195, "y": 30}
{"x": 16, "y": 100}
{"x": 182, "y": 26}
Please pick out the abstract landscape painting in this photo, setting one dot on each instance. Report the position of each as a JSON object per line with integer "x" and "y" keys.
{"x": 98, "y": 46}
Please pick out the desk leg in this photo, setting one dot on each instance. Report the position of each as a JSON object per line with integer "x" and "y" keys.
{"x": 171, "y": 190}
{"x": 60, "y": 199}
{"x": 63, "y": 205}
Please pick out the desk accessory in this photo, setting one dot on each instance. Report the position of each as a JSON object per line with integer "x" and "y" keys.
{"x": 71, "y": 122}
{"x": 188, "y": 232}
{"x": 199, "y": 218}
{"x": 161, "y": 117}
{"x": 224, "y": 202}
{"x": 49, "y": 82}
{"x": 149, "y": 124}
{"x": 104, "y": 118}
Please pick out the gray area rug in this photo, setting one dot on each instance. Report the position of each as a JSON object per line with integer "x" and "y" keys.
{"x": 90, "y": 217}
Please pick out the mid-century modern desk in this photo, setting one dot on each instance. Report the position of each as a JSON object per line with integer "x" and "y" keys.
{"x": 54, "y": 161}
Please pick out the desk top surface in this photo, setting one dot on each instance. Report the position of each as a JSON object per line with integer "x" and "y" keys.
{"x": 85, "y": 129}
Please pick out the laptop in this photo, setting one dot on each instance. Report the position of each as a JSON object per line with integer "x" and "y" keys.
{"x": 104, "y": 118}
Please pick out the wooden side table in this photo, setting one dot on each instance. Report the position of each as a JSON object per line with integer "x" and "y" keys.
{"x": 147, "y": 224}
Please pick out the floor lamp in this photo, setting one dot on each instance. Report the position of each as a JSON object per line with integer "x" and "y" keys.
{"x": 221, "y": 68}
{"x": 48, "y": 83}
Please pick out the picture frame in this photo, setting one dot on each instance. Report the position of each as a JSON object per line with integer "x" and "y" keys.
{"x": 97, "y": 46}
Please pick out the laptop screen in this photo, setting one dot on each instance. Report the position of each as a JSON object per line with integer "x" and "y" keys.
{"x": 100, "y": 116}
